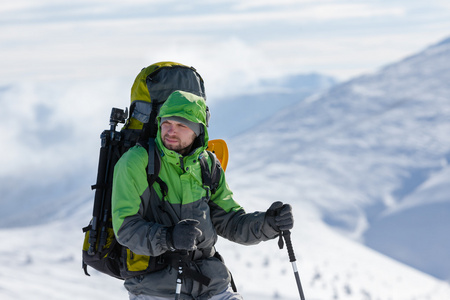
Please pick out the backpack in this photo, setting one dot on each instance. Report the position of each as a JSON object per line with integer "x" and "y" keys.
{"x": 150, "y": 90}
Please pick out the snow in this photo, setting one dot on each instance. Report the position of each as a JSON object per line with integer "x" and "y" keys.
{"x": 375, "y": 145}
{"x": 364, "y": 165}
{"x": 43, "y": 262}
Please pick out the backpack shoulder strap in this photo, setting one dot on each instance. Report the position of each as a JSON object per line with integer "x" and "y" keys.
{"x": 211, "y": 177}
{"x": 154, "y": 163}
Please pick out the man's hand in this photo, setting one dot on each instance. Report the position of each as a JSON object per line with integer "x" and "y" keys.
{"x": 279, "y": 216}
{"x": 183, "y": 235}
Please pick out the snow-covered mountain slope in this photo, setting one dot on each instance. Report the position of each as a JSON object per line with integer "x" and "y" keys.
{"x": 415, "y": 231}
{"x": 43, "y": 262}
{"x": 371, "y": 155}
{"x": 359, "y": 157}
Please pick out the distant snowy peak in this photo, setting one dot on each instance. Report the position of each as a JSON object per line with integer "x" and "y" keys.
{"x": 378, "y": 143}
{"x": 261, "y": 103}
{"x": 444, "y": 42}
{"x": 372, "y": 140}
{"x": 431, "y": 62}
{"x": 419, "y": 81}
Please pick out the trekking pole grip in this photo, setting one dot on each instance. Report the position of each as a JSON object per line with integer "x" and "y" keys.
{"x": 290, "y": 249}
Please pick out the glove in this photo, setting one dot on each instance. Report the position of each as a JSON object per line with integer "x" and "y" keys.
{"x": 279, "y": 216}
{"x": 183, "y": 235}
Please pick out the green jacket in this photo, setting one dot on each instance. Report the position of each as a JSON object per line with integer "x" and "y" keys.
{"x": 141, "y": 217}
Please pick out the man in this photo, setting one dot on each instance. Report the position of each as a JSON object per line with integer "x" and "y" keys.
{"x": 185, "y": 218}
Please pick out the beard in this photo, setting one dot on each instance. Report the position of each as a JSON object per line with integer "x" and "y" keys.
{"x": 177, "y": 145}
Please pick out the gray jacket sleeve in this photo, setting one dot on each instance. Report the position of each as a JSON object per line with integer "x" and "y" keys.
{"x": 142, "y": 237}
{"x": 240, "y": 227}
{"x": 232, "y": 222}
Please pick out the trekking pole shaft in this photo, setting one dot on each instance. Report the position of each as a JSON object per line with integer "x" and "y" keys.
{"x": 178, "y": 288}
{"x": 297, "y": 279}
{"x": 182, "y": 253}
{"x": 290, "y": 249}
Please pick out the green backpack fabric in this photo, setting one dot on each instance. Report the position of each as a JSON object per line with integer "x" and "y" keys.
{"x": 150, "y": 90}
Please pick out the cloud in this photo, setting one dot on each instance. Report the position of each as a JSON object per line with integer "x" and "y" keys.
{"x": 89, "y": 40}
{"x": 55, "y": 128}
{"x": 234, "y": 44}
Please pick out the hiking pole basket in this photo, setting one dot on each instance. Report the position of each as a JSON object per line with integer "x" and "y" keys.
{"x": 286, "y": 234}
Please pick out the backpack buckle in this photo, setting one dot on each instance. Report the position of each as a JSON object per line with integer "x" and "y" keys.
{"x": 208, "y": 191}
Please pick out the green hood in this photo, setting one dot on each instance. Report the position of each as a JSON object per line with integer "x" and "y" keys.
{"x": 188, "y": 106}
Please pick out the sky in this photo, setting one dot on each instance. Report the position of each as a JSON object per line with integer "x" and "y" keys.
{"x": 233, "y": 43}
{"x": 64, "y": 64}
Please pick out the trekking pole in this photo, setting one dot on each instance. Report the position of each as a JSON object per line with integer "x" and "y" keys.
{"x": 180, "y": 274}
{"x": 286, "y": 234}
{"x": 178, "y": 289}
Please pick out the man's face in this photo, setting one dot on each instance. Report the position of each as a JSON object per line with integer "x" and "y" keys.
{"x": 176, "y": 136}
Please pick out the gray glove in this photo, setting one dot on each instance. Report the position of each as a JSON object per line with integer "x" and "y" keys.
{"x": 183, "y": 235}
{"x": 279, "y": 216}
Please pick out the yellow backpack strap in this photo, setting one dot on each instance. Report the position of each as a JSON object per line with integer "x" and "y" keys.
{"x": 220, "y": 149}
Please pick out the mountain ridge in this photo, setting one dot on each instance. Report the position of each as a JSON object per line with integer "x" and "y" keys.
{"x": 371, "y": 142}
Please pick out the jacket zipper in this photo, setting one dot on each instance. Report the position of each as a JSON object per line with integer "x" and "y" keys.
{"x": 181, "y": 163}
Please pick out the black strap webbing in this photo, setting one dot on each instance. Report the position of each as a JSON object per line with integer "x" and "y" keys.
{"x": 177, "y": 259}
{"x": 151, "y": 158}
{"x": 153, "y": 128}
{"x": 206, "y": 173}
{"x": 211, "y": 178}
